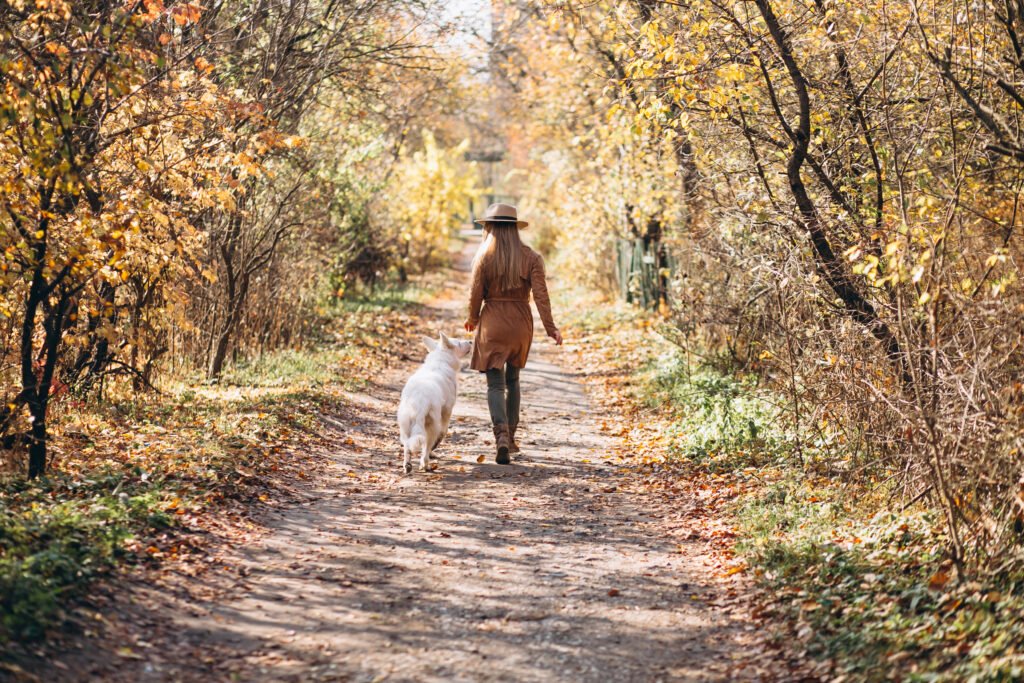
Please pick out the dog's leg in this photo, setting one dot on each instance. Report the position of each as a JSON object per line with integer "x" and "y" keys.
{"x": 414, "y": 443}
{"x": 425, "y": 457}
{"x": 446, "y": 416}
{"x": 407, "y": 458}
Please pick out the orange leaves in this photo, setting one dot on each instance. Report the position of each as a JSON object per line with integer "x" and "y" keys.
{"x": 186, "y": 13}
{"x": 938, "y": 580}
{"x": 153, "y": 8}
{"x": 203, "y": 65}
{"x": 143, "y": 166}
{"x": 57, "y": 49}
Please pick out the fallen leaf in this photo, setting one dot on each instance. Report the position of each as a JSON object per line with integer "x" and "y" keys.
{"x": 939, "y": 580}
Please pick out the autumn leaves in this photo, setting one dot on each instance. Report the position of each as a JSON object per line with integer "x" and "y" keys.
{"x": 163, "y": 208}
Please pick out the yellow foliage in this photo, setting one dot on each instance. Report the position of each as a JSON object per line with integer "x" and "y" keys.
{"x": 428, "y": 193}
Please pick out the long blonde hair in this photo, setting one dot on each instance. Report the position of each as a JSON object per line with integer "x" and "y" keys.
{"x": 501, "y": 256}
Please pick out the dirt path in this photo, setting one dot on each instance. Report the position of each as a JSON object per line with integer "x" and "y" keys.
{"x": 538, "y": 571}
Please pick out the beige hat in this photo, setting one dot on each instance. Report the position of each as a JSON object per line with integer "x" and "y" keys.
{"x": 501, "y": 213}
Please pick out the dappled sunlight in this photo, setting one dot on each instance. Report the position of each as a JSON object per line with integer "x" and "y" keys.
{"x": 771, "y": 417}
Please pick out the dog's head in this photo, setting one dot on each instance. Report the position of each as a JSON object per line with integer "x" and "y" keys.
{"x": 459, "y": 348}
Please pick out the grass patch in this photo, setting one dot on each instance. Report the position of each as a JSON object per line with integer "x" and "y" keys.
{"x": 872, "y": 592}
{"x": 865, "y": 588}
{"x": 720, "y": 422}
{"x": 389, "y": 297}
{"x": 49, "y": 551}
{"x": 356, "y": 337}
{"x": 288, "y": 367}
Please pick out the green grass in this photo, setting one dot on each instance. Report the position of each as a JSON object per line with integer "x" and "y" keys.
{"x": 720, "y": 422}
{"x": 50, "y": 551}
{"x": 288, "y": 367}
{"x": 391, "y": 296}
{"x": 872, "y": 592}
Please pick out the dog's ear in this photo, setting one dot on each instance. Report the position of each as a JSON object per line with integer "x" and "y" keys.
{"x": 431, "y": 344}
{"x": 445, "y": 341}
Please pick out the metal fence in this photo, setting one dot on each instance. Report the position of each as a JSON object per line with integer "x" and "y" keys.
{"x": 644, "y": 270}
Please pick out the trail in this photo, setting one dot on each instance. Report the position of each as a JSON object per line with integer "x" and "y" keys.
{"x": 539, "y": 571}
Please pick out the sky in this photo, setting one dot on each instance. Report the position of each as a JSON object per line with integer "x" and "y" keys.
{"x": 472, "y": 17}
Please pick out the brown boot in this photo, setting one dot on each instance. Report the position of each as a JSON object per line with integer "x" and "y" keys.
{"x": 513, "y": 447}
{"x": 501, "y": 444}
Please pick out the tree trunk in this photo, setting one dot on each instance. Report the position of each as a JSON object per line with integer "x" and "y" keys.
{"x": 238, "y": 290}
{"x": 37, "y": 443}
{"x": 30, "y": 381}
{"x": 856, "y": 305}
{"x": 220, "y": 351}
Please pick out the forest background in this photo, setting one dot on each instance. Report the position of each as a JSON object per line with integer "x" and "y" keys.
{"x": 828, "y": 192}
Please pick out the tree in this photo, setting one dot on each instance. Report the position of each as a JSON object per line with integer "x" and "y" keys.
{"x": 81, "y": 84}
{"x": 840, "y": 186}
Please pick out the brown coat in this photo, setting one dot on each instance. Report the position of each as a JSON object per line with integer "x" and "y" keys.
{"x": 504, "y": 329}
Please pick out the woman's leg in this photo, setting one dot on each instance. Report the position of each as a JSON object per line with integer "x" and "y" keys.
{"x": 496, "y": 395}
{"x": 512, "y": 394}
{"x": 512, "y": 405}
{"x": 496, "y": 404}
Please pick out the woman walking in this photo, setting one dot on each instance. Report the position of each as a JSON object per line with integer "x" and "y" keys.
{"x": 505, "y": 271}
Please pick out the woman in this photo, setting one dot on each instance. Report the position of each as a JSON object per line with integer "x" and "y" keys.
{"x": 505, "y": 271}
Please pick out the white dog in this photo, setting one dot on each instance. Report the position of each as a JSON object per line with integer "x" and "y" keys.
{"x": 429, "y": 397}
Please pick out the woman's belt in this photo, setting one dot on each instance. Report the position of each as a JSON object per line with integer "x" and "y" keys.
{"x": 503, "y": 298}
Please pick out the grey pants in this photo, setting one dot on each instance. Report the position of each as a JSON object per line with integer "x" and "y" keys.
{"x": 503, "y": 394}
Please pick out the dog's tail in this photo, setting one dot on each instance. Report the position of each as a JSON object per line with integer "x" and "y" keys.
{"x": 416, "y": 443}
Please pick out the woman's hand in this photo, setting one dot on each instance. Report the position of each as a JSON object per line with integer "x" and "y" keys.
{"x": 557, "y": 336}
{"x": 469, "y": 326}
